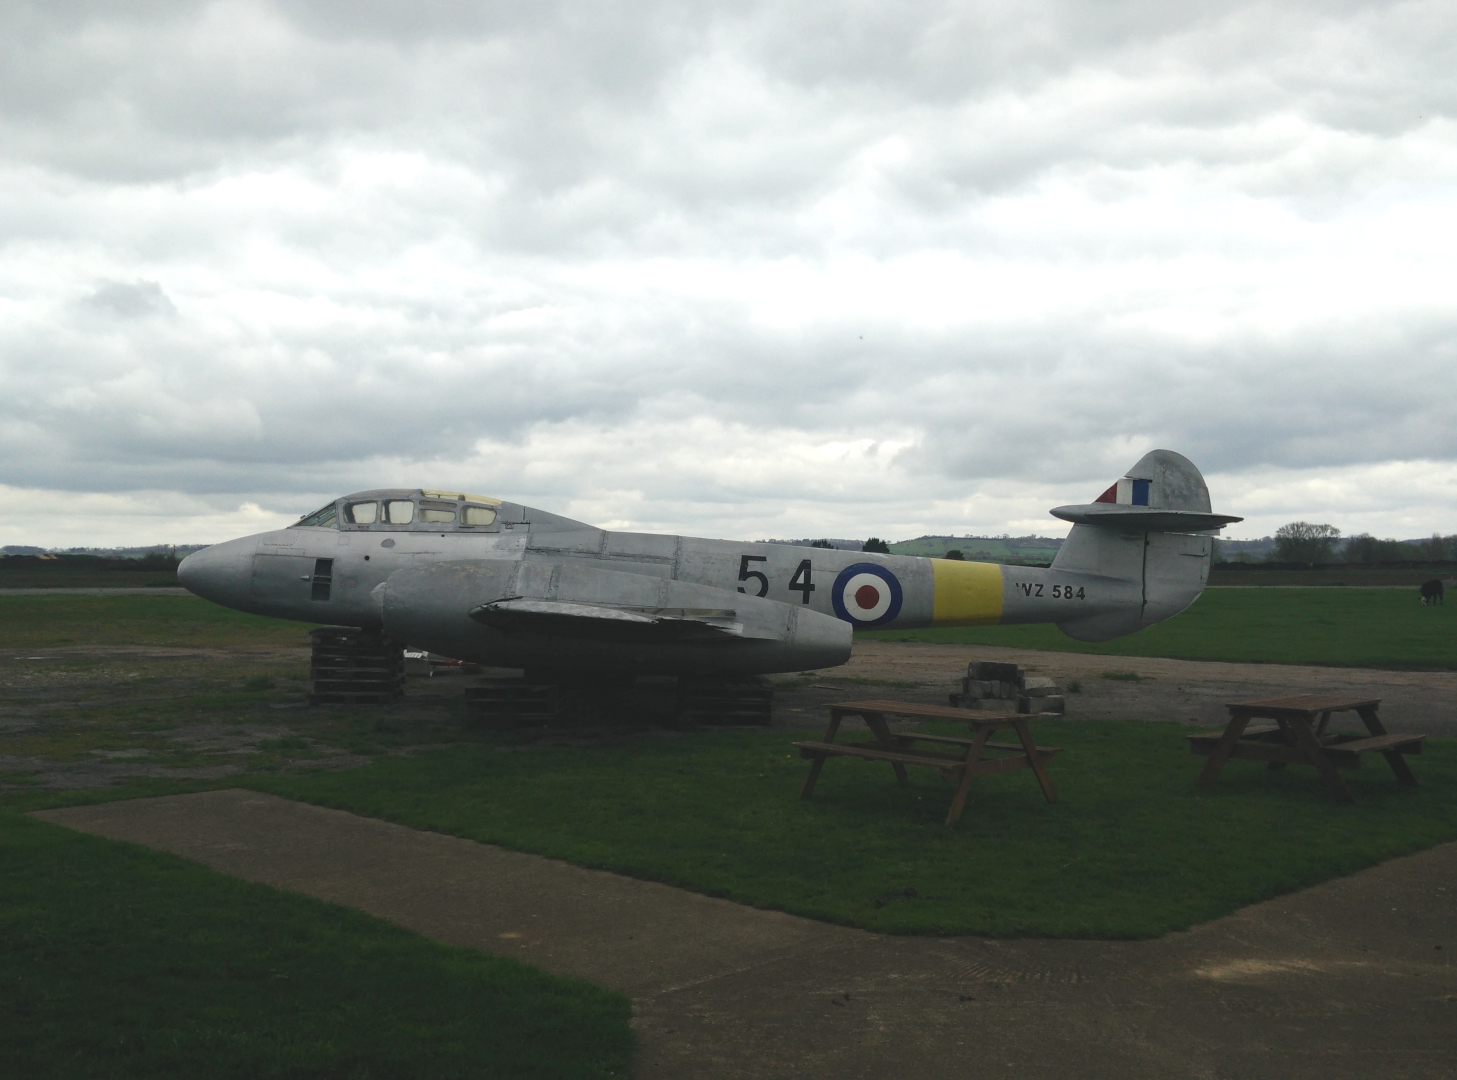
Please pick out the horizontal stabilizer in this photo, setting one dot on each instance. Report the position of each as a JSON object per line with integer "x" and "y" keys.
{"x": 599, "y": 620}
{"x": 1142, "y": 518}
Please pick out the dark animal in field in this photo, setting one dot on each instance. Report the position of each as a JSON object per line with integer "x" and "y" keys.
{"x": 1432, "y": 592}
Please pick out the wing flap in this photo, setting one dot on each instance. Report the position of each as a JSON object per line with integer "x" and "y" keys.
{"x": 525, "y": 614}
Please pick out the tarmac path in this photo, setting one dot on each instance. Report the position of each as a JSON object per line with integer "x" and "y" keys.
{"x": 1353, "y": 978}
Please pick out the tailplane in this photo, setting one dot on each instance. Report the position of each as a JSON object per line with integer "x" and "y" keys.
{"x": 1152, "y": 528}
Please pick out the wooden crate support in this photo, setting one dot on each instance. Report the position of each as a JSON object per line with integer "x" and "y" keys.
{"x": 348, "y": 666}
{"x": 513, "y": 702}
{"x": 732, "y": 700}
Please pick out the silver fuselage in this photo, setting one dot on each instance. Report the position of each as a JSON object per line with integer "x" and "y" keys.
{"x": 793, "y": 607}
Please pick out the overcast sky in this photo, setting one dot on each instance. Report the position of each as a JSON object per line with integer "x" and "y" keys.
{"x": 748, "y": 270}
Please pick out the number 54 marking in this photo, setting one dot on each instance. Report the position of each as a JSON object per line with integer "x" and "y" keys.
{"x": 800, "y": 582}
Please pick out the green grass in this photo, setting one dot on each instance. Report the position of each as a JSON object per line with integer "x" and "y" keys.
{"x": 1222, "y": 574}
{"x": 88, "y": 579}
{"x": 1383, "y": 628}
{"x": 45, "y": 622}
{"x": 116, "y": 961}
{"x": 1131, "y": 849}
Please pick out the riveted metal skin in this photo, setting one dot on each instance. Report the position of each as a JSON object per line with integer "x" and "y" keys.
{"x": 499, "y": 583}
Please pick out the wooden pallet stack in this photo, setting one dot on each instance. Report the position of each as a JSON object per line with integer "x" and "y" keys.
{"x": 349, "y": 666}
{"x": 513, "y": 702}
{"x": 730, "y": 700}
{"x": 1004, "y": 687}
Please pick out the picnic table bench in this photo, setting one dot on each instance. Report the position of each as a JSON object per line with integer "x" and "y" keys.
{"x": 958, "y": 760}
{"x": 1298, "y": 737}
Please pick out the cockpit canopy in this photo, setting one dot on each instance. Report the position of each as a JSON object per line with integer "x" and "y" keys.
{"x": 396, "y": 508}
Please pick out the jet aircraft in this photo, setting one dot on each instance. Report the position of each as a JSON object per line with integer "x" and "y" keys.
{"x": 506, "y": 585}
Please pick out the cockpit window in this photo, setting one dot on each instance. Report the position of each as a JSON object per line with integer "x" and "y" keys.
{"x": 478, "y": 515}
{"x": 441, "y": 513}
{"x": 362, "y": 513}
{"x": 400, "y": 511}
{"x": 321, "y": 519}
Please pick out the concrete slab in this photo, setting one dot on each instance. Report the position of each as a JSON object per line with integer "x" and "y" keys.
{"x": 1354, "y": 978}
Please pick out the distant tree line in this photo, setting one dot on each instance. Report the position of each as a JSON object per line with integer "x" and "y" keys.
{"x": 1298, "y": 542}
{"x": 156, "y": 560}
{"x": 1365, "y": 548}
{"x": 1305, "y": 542}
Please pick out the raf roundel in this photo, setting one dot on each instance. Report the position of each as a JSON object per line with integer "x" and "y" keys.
{"x": 867, "y": 595}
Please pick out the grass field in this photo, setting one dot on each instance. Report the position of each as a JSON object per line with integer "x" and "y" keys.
{"x": 116, "y": 961}
{"x": 71, "y": 572}
{"x": 1131, "y": 849}
{"x": 88, "y": 579}
{"x": 48, "y": 622}
{"x": 1128, "y": 851}
{"x": 1382, "y": 628}
{"x": 1410, "y": 577}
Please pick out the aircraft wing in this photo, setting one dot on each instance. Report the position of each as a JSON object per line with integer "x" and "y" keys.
{"x": 524, "y": 614}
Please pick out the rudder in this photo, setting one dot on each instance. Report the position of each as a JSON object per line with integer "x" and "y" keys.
{"x": 1151, "y": 529}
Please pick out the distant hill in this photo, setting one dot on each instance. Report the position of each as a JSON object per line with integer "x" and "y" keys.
{"x": 1042, "y": 549}
{"x": 1264, "y": 548}
{"x": 1008, "y": 549}
{"x": 180, "y": 550}
{"x": 1243, "y": 550}
{"x": 1002, "y": 549}
{"x": 838, "y": 543}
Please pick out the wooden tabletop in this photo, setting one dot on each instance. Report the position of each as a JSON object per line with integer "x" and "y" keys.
{"x": 1303, "y": 703}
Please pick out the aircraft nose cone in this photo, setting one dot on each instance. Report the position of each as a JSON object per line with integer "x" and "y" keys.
{"x": 218, "y": 573}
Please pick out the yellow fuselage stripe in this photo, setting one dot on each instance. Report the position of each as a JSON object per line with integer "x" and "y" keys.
{"x": 966, "y": 593}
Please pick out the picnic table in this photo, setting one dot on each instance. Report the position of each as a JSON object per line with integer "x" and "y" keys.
{"x": 1298, "y": 737}
{"x": 958, "y": 760}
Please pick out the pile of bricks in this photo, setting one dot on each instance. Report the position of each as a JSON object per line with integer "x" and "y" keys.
{"x": 990, "y": 685}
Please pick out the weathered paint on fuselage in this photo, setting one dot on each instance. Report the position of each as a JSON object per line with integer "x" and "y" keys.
{"x": 273, "y": 573}
{"x": 777, "y": 607}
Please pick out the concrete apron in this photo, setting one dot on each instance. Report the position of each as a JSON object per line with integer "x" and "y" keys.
{"x": 1342, "y": 980}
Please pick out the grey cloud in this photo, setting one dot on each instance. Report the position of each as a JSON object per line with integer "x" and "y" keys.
{"x": 560, "y": 94}
{"x": 1312, "y": 404}
{"x": 1006, "y": 407}
{"x": 131, "y": 300}
{"x": 388, "y": 232}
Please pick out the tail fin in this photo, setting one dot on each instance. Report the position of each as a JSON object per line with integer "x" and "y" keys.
{"x": 1152, "y": 530}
